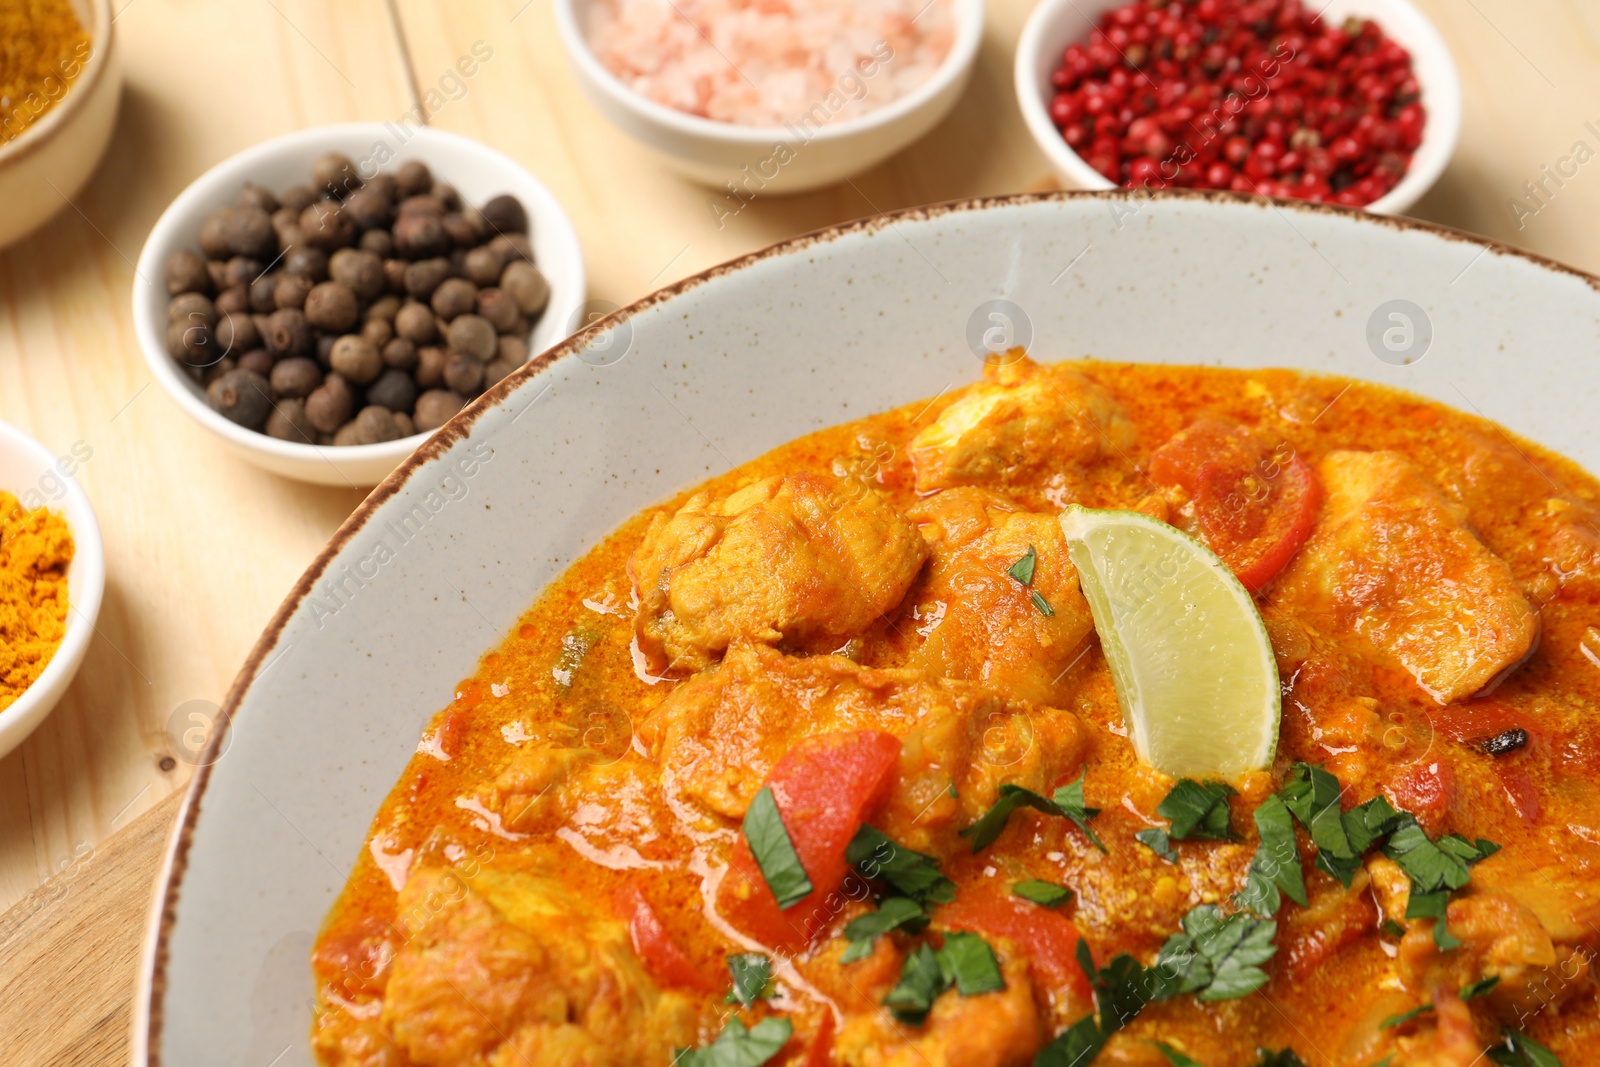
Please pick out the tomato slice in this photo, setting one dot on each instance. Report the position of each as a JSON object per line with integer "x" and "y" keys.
{"x": 1253, "y": 507}
{"x": 824, "y": 787}
{"x": 1425, "y": 790}
{"x": 820, "y": 1054}
{"x": 1049, "y": 938}
{"x": 655, "y": 946}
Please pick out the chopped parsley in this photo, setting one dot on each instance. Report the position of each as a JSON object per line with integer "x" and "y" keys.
{"x": 752, "y": 978}
{"x": 739, "y": 1046}
{"x": 1520, "y": 1050}
{"x": 969, "y": 962}
{"x": 1276, "y": 865}
{"x": 966, "y": 961}
{"x": 1045, "y": 894}
{"x": 774, "y": 851}
{"x": 1067, "y": 803}
{"x": 1197, "y": 809}
{"x": 875, "y": 855}
{"x": 1468, "y": 992}
{"x": 1392, "y": 928}
{"x": 1158, "y": 842}
{"x": 1404, "y": 1017}
{"x": 1342, "y": 838}
{"x": 921, "y": 982}
{"x": 1022, "y": 571}
{"x": 1214, "y": 957}
{"x": 1174, "y": 1057}
{"x": 895, "y": 913}
{"x": 1074, "y": 1046}
{"x": 1436, "y": 869}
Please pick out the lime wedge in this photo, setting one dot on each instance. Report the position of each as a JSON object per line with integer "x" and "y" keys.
{"x": 1189, "y": 655}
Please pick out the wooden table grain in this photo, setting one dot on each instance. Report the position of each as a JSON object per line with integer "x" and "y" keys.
{"x": 201, "y": 547}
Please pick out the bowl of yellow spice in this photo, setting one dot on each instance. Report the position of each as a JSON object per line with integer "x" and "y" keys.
{"x": 59, "y": 86}
{"x": 52, "y": 578}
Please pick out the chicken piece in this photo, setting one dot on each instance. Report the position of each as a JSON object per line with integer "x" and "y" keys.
{"x": 999, "y": 1029}
{"x": 1022, "y": 421}
{"x": 718, "y": 735}
{"x": 1499, "y": 937}
{"x": 342, "y": 1040}
{"x": 1452, "y": 1041}
{"x": 806, "y": 560}
{"x": 978, "y": 622}
{"x": 1392, "y": 560}
{"x": 508, "y": 968}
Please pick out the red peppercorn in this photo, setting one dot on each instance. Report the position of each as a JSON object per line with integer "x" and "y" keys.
{"x": 1255, "y": 95}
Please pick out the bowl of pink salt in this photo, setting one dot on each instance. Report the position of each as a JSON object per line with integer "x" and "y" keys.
{"x": 757, "y": 97}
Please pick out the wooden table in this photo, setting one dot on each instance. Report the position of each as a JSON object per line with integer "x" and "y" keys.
{"x": 201, "y": 547}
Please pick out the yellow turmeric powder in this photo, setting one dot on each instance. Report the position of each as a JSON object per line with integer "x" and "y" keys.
{"x": 35, "y": 549}
{"x": 43, "y": 48}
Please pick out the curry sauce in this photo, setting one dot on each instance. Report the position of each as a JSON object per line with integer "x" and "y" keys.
{"x": 560, "y": 875}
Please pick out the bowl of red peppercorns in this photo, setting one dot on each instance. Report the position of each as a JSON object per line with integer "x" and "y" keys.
{"x": 1357, "y": 105}
{"x": 324, "y": 301}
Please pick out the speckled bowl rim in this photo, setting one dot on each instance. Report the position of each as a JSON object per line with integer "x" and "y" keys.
{"x": 147, "y": 1018}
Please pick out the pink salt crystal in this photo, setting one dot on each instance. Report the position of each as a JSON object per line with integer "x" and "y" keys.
{"x": 772, "y": 62}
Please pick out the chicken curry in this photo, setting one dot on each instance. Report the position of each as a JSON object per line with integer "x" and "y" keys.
{"x": 821, "y": 763}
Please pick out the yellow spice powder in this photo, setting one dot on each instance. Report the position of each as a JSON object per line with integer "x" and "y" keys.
{"x": 43, "y": 48}
{"x": 35, "y": 549}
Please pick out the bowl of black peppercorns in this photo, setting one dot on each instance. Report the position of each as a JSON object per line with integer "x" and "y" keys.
{"x": 324, "y": 301}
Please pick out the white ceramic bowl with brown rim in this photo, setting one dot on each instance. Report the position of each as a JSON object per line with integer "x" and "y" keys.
{"x": 476, "y": 170}
{"x": 1055, "y": 24}
{"x": 748, "y": 156}
{"x": 44, "y": 167}
{"x": 440, "y": 562}
{"x": 39, "y": 478}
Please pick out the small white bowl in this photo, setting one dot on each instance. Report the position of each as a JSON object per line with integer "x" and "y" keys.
{"x": 49, "y": 163}
{"x": 29, "y": 472}
{"x": 477, "y": 171}
{"x": 718, "y": 152}
{"x": 1055, "y": 24}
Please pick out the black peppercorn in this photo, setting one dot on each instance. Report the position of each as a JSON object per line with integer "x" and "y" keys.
{"x": 295, "y": 377}
{"x": 454, "y": 296}
{"x": 435, "y": 408}
{"x": 424, "y": 277}
{"x": 505, "y": 214}
{"x": 326, "y": 226}
{"x": 242, "y": 396}
{"x": 368, "y": 209}
{"x": 263, "y": 294}
{"x": 307, "y": 262}
{"x": 235, "y": 301}
{"x": 289, "y": 334}
{"x": 413, "y": 177}
{"x": 253, "y": 195}
{"x": 192, "y": 307}
{"x": 360, "y": 272}
{"x": 379, "y": 242}
{"x": 393, "y": 389}
{"x": 418, "y": 235}
{"x": 330, "y": 404}
{"x": 332, "y": 306}
{"x": 185, "y": 272}
{"x": 288, "y": 422}
{"x": 291, "y": 290}
{"x": 336, "y": 174}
